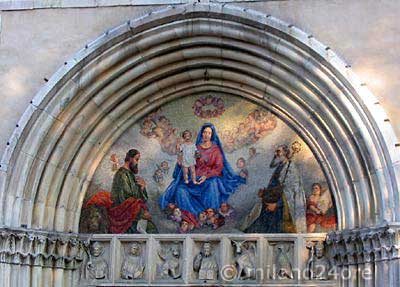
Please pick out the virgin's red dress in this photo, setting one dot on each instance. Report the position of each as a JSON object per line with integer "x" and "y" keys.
{"x": 210, "y": 162}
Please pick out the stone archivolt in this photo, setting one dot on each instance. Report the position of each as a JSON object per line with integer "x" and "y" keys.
{"x": 36, "y": 248}
{"x": 172, "y": 53}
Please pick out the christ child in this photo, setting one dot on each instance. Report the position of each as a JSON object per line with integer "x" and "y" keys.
{"x": 187, "y": 158}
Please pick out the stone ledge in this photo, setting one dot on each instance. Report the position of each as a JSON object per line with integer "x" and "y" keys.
{"x": 12, "y": 5}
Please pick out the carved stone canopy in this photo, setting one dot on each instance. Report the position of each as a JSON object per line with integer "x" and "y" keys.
{"x": 38, "y": 248}
{"x": 365, "y": 245}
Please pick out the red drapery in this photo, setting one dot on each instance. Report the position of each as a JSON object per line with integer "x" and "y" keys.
{"x": 122, "y": 216}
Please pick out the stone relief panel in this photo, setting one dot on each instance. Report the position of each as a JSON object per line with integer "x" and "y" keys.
{"x": 281, "y": 260}
{"x": 244, "y": 260}
{"x": 97, "y": 264}
{"x": 206, "y": 261}
{"x": 318, "y": 263}
{"x": 169, "y": 263}
{"x": 133, "y": 264}
{"x": 206, "y": 164}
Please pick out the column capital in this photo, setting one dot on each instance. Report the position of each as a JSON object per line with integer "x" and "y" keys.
{"x": 42, "y": 248}
{"x": 364, "y": 245}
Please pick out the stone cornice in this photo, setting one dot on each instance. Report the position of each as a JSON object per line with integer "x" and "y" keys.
{"x": 12, "y": 5}
{"x": 40, "y": 248}
{"x": 364, "y": 245}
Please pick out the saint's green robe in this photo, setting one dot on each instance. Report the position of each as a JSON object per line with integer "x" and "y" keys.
{"x": 125, "y": 186}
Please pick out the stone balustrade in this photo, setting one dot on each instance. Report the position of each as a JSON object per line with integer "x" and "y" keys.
{"x": 241, "y": 259}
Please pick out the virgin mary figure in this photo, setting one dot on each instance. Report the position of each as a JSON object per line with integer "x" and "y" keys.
{"x": 216, "y": 179}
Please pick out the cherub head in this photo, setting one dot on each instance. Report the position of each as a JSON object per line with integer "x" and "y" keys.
{"x": 241, "y": 163}
{"x": 171, "y": 206}
{"x": 249, "y": 119}
{"x": 210, "y": 212}
{"x": 114, "y": 158}
{"x": 147, "y": 123}
{"x": 184, "y": 227}
{"x": 163, "y": 121}
{"x": 164, "y": 165}
{"x": 177, "y": 212}
{"x": 217, "y": 221}
{"x": 158, "y": 175}
{"x": 225, "y": 207}
{"x": 244, "y": 173}
{"x": 252, "y": 151}
{"x": 170, "y": 209}
{"x": 202, "y": 216}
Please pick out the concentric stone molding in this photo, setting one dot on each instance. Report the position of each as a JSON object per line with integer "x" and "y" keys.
{"x": 366, "y": 245}
{"x": 179, "y": 51}
{"x": 44, "y": 249}
{"x": 195, "y": 49}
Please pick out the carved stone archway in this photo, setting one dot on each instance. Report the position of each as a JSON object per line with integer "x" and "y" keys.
{"x": 171, "y": 53}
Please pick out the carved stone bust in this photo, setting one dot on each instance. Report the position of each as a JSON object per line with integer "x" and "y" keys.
{"x": 318, "y": 265}
{"x": 97, "y": 267}
{"x": 133, "y": 266}
{"x": 206, "y": 264}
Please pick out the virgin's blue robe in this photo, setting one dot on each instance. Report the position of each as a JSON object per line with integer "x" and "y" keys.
{"x": 209, "y": 194}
